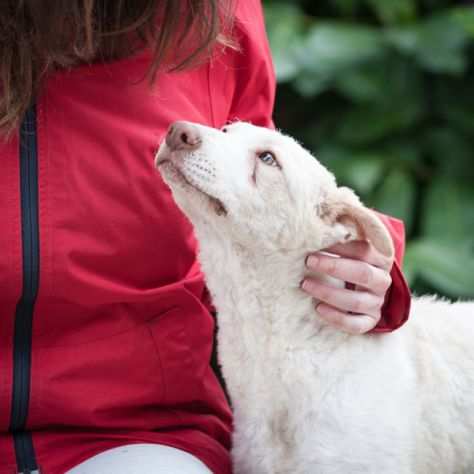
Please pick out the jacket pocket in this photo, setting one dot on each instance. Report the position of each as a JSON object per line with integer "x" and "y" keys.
{"x": 114, "y": 382}
{"x": 121, "y": 381}
{"x": 183, "y": 338}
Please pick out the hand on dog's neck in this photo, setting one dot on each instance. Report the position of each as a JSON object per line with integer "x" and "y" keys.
{"x": 260, "y": 289}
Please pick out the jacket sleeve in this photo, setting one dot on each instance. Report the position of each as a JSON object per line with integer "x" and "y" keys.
{"x": 396, "y": 308}
{"x": 253, "y": 94}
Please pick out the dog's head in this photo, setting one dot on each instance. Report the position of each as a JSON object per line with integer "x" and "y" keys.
{"x": 260, "y": 188}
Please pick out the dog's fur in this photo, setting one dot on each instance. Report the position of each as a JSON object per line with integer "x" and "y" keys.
{"x": 306, "y": 397}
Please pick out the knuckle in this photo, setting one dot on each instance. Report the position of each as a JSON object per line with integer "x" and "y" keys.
{"x": 327, "y": 264}
{"x": 357, "y": 305}
{"x": 325, "y": 294}
{"x": 315, "y": 289}
{"x": 378, "y": 306}
{"x": 340, "y": 322}
{"x": 360, "y": 328}
{"x": 387, "y": 282}
{"x": 384, "y": 284}
{"x": 366, "y": 275}
{"x": 386, "y": 263}
{"x": 332, "y": 265}
{"x": 369, "y": 324}
{"x": 356, "y": 326}
{"x": 374, "y": 309}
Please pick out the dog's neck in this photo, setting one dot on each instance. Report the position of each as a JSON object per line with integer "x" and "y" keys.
{"x": 258, "y": 292}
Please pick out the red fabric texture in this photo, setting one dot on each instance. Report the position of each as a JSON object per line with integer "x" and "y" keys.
{"x": 396, "y": 308}
{"x": 122, "y": 334}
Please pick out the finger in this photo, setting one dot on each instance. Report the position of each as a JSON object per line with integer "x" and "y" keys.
{"x": 353, "y": 271}
{"x": 350, "y": 323}
{"x": 360, "y": 302}
{"x": 362, "y": 250}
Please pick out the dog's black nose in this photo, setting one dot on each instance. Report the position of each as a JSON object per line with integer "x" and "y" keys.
{"x": 183, "y": 136}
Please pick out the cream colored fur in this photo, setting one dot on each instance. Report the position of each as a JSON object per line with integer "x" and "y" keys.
{"x": 306, "y": 397}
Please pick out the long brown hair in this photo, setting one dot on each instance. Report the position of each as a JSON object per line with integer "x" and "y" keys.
{"x": 37, "y": 37}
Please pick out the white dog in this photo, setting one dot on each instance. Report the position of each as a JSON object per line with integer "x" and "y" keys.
{"x": 306, "y": 397}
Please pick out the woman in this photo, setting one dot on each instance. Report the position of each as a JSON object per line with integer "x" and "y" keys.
{"x": 105, "y": 326}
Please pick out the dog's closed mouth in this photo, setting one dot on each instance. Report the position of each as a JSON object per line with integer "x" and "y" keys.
{"x": 216, "y": 204}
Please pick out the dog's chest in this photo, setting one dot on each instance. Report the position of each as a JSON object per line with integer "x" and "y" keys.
{"x": 303, "y": 413}
{"x": 278, "y": 416}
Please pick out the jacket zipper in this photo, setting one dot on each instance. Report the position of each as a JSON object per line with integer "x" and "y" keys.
{"x": 22, "y": 339}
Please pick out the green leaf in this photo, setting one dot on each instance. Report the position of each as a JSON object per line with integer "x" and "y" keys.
{"x": 367, "y": 123}
{"x": 443, "y": 143}
{"x": 448, "y": 267}
{"x": 438, "y": 44}
{"x": 448, "y": 213}
{"x": 400, "y": 106}
{"x": 465, "y": 18}
{"x": 389, "y": 80}
{"x": 394, "y": 11}
{"x": 330, "y": 49}
{"x": 347, "y": 7}
{"x": 396, "y": 197}
{"x": 363, "y": 84}
{"x": 455, "y": 102}
{"x": 403, "y": 154}
{"x": 284, "y": 23}
{"x": 310, "y": 85}
{"x": 363, "y": 173}
{"x": 360, "y": 170}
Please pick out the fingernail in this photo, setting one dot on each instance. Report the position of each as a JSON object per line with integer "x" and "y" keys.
{"x": 312, "y": 261}
{"x": 304, "y": 285}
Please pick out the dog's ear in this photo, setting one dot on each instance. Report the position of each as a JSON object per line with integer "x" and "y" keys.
{"x": 349, "y": 220}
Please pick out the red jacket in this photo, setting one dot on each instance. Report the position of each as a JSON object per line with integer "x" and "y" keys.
{"x": 105, "y": 337}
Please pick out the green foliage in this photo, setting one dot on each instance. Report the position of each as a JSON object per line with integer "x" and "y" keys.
{"x": 383, "y": 92}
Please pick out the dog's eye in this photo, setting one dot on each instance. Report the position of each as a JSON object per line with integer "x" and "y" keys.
{"x": 268, "y": 158}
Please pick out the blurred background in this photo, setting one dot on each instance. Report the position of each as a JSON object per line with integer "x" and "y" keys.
{"x": 382, "y": 91}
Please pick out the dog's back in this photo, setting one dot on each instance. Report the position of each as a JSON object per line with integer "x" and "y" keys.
{"x": 444, "y": 359}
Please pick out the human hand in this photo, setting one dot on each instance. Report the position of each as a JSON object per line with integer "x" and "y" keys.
{"x": 355, "y": 309}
